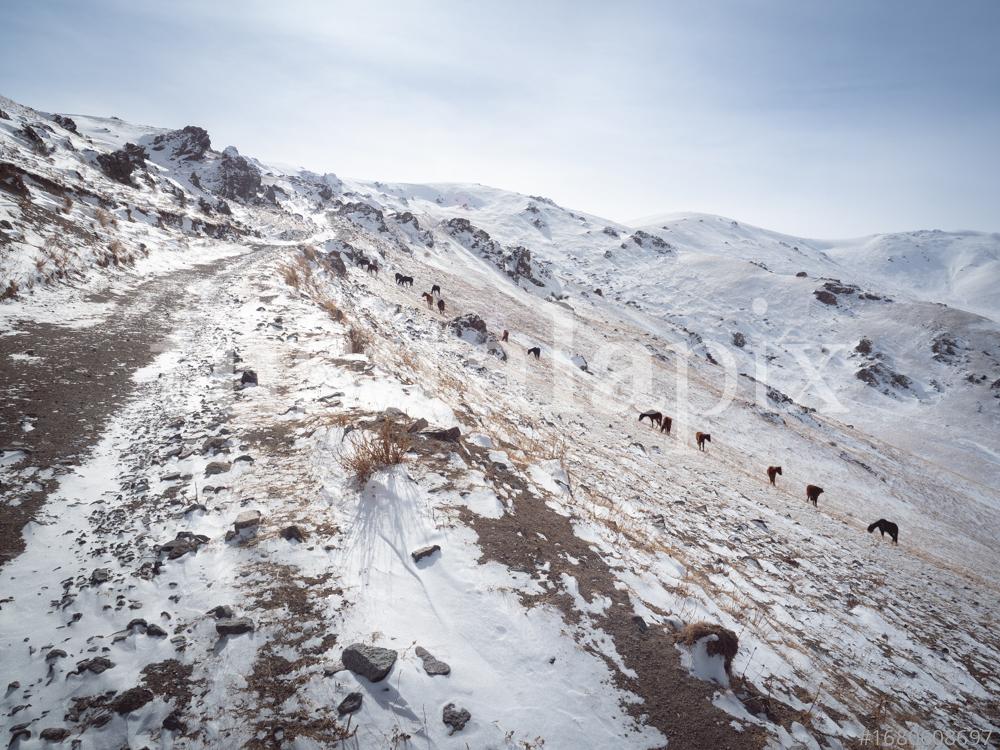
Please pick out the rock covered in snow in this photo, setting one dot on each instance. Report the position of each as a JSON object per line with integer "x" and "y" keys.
{"x": 423, "y": 552}
{"x": 234, "y": 626}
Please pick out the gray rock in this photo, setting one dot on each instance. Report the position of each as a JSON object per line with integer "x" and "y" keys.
{"x": 222, "y": 612}
{"x": 371, "y": 662}
{"x": 247, "y": 519}
{"x": 432, "y": 666}
{"x": 455, "y": 717}
{"x": 95, "y": 665}
{"x": 155, "y": 631}
{"x": 56, "y": 653}
{"x": 131, "y": 700}
{"x": 331, "y": 669}
{"x": 234, "y": 626}
{"x": 184, "y": 542}
{"x": 423, "y": 552}
{"x": 350, "y": 704}
{"x": 451, "y": 435}
{"x": 293, "y": 534}
{"x": 417, "y": 426}
{"x": 248, "y": 378}
{"x": 217, "y": 467}
{"x": 54, "y": 734}
{"x": 99, "y": 576}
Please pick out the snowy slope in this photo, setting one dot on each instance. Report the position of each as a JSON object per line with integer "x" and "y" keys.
{"x": 575, "y": 543}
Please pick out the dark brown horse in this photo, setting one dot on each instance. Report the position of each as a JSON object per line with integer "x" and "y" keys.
{"x": 666, "y": 424}
{"x": 441, "y": 306}
{"x": 701, "y": 438}
{"x": 813, "y": 492}
{"x": 772, "y": 472}
{"x": 536, "y": 350}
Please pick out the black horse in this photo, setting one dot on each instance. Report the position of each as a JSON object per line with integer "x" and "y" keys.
{"x": 536, "y": 350}
{"x": 654, "y": 417}
{"x": 436, "y": 289}
{"x": 405, "y": 281}
{"x": 886, "y": 527}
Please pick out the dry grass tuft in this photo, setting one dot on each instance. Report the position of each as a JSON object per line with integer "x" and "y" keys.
{"x": 359, "y": 340}
{"x": 10, "y": 292}
{"x": 105, "y": 219}
{"x": 374, "y": 451}
{"x": 725, "y": 643}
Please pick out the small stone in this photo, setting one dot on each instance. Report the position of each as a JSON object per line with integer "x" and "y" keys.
{"x": 423, "y": 552}
{"x": 174, "y": 723}
{"x": 155, "y": 631}
{"x": 455, "y": 717}
{"x": 451, "y": 435}
{"x": 234, "y": 626}
{"x": 432, "y": 666}
{"x": 249, "y": 378}
{"x": 640, "y": 623}
{"x": 99, "y": 576}
{"x": 293, "y": 534}
{"x": 95, "y": 666}
{"x": 331, "y": 669}
{"x": 350, "y": 704}
{"x": 56, "y": 653}
{"x": 217, "y": 467}
{"x": 417, "y": 426}
{"x": 371, "y": 662}
{"x": 131, "y": 700}
{"x": 54, "y": 734}
{"x": 221, "y": 612}
{"x": 247, "y": 519}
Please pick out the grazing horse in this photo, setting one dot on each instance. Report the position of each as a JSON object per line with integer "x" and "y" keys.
{"x": 428, "y": 299}
{"x": 441, "y": 306}
{"x": 536, "y": 350}
{"x": 505, "y": 335}
{"x": 654, "y": 417}
{"x": 772, "y": 472}
{"x": 813, "y": 492}
{"x": 666, "y": 424}
{"x": 435, "y": 289}
{"x": 373, "y": 268}
{"x": 406, "y": 281}
{"x": 701, "y": 438}
{"x": 886, "y": 527}
{"x": 399, "y": 278}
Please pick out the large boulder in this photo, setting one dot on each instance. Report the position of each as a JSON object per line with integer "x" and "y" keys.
{"x": 238, "y": 178}
{"x": 371, "y": 662}
{"x": 189, "y": 143}
{"x": 471, "y": 328}
{"x": 455, "y": 717}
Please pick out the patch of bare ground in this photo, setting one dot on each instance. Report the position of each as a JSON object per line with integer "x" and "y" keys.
{"x": 290, "y": 659}
{"x": 673, "y": 701}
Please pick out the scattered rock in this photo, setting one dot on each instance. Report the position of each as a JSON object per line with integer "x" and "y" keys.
{"x": 293, "y": 534}
{"x": 249, "y": 378}
{"x": 371, "y": 662}
{"x": 96, "y": 665}
{"x": 217, "y": 467}
{"x": 234, "y": 626}
{"x": 131, "y": 700}
{"x": 825, "y": 297}
{"x": 174, "y": 723}
{"x": 247, "y": 519}
{"x": 432, "y": 666}
{"x": 99, "y": 576}
{"x": 221, "y": 612}
{"x": 56, "y": 653}
{"x": 155, "y": 631}
{"x": 640, "y": 623}
{"x": 455, "y": 717}
{"x": 451, "y": 435}
{"x": 417, "y": 426}
{"x": 350, "y": 704}
{"x": 423, "y": 552}
{"x": 183, "y": 543}
{"x": 54, "y": 734}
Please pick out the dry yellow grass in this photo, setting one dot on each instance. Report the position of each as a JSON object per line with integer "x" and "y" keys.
{"x": 373, "y": 451}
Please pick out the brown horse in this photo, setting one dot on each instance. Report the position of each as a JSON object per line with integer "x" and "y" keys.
{"x": 772, "y": 472}
{"x": 701, "y": 438}
{"x": 813, "y": 492}
{"x": 441, "y": 306}
{"x": 428, "y": 299}
{"x": 666, "y": 424}
{"x": 505, "y": 335}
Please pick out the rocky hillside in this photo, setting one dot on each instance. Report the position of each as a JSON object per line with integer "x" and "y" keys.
{"x": 258, "y": 493}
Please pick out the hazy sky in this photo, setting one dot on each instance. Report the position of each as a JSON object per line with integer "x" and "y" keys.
{"x": 825, "y": 118}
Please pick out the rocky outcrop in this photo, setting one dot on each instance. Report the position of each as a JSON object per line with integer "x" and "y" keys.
{"x": 649, "y": 241}
{"x": 121, "y": 164}
{"x": 238, "y": 179}
{"x": 472, "y": 328}
{"x": 66, "y": 123}
{"x": 190, "y": 143}
{"x": 514, "y": 261}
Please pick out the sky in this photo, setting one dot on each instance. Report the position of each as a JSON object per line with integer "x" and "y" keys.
{"x": 821, "y": 119}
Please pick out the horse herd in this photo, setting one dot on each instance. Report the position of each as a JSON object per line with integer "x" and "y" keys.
{"x": 658, "y": 419}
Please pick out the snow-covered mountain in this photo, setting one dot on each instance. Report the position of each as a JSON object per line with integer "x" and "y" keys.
{"x": 595, "y": 582}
